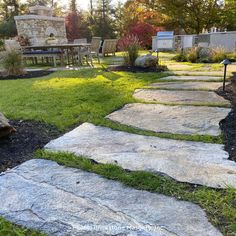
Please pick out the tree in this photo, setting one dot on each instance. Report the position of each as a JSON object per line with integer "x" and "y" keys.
{"x": 103, "y": 20}
{"x": 72, "y": 22}
{"x": 228, "y": 17}
{"x": 8, "y": 9}
{"x": 191, "y": 15}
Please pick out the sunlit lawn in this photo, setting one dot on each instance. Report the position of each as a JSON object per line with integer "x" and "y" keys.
{"x": 68, "y": 98}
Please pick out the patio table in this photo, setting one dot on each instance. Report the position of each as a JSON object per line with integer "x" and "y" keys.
{"x": 69, "y": 47}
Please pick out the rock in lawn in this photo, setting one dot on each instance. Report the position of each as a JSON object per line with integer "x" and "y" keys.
{"x": 146, "y": 61}
{"x": 5, "y": 127}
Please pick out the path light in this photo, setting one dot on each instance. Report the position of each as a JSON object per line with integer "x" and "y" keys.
{"x": 157, "y": 52}
{"x": 226, "y": 62}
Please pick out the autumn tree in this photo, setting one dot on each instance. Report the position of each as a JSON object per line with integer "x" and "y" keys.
{"x": 191, "y": 15}
{"x": 72, "y": 22}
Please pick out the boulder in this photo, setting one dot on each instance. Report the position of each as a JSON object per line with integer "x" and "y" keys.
{"x": 5, "y": 127}
{"x": 146, "y": 61}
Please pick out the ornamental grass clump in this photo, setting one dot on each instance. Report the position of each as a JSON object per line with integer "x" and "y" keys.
{"x": 218, "y": 54}
{"x": 12, "y": 63}
{"x": 131, "y": 46}
{"x": 201, "y": 55}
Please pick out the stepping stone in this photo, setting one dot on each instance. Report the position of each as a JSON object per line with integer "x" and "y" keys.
{"x": 65, "y": 201}
{"x": 177, "y": 119}
{"x": 188, "y": 85}
{"x": 179, "y": 67}
{"x": 192, "y": 78}
{"x": 181, "y": 97}
{"x": 193, "y": 162}
{"x": 209, "y": 73}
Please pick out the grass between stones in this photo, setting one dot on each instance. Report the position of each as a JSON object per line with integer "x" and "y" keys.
{"x": 219, "y": 204}
{"x": 9, "y": 229}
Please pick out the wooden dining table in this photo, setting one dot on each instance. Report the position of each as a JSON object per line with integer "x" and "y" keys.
{"x": 69, "y": 48}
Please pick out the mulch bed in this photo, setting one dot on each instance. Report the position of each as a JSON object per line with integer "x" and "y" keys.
{"x": 135, "y": 69}
{"x": 228, "y": 125}
{"x": 21, "y": 145}
{"x": 28, "y": 75}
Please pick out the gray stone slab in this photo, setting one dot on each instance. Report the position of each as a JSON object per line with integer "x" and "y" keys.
{"x": 64, "y": 201}
{"x": 181, "y": 97}
{"x": 192, "y": 72}
{"x": 188, "y": 85}
{"x": 193, "y": 162}
{"x": 177, "y": 119}
{"x": 192, "y": 78}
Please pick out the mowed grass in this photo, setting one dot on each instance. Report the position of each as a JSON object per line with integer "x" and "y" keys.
{"x": 220, "y": 205}
{"x": 68, "y": 98}
{"x": 9, "y": 229}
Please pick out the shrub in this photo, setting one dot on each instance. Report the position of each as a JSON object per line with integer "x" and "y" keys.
{"x": 180, "y": 57}
{"x": 192, "y": 55}
{"x": 200, "y": 54}
{"x": 130, "y": 45}
{"x": 218, "y": 54}
{"x": 12, "y": 62}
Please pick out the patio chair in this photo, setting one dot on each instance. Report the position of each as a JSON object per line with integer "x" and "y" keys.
{"x": 13, "y": 45}
{"x": 95, "y": 47}
{"x": 109, "y": 47}
{"x": 92, "y": 51}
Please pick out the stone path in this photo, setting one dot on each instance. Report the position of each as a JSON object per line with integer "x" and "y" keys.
{"x": 65, "y": 201}
{"x": 181, "y": 97}
{"x": 192, "y": 78}
{"x": 193, "y": 162}
{"x": 172, "y": 119}
{"x": 195, "y": 72}
{"x": 183, "y": 85}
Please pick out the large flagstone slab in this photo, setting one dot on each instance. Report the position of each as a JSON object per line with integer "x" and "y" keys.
{"x": 193, "y": 72}
{"x": 64, "y": 201}
{"x": 192, "y": 78}
{"x": 188, "y": 85}
{"x": 181, "y": 97}
{"x": 177, "y": 119}
{"x": 193, "y": 162}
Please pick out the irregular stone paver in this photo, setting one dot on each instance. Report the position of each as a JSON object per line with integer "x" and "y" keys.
{"x": 181, "y": 97}
{"x": 65, "y": 201}
{"x": 179, "y": 67}
{"x": 201, "y": 120}
{"x": 188, "y": 85}
{"x": 192, "y": 72}
{"x": 192, "y": 77}
{"x": 193, "y": 162}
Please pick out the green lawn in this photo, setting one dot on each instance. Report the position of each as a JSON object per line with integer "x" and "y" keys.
{"x": 69, "y": 98}
{"x": 66, "y": 99}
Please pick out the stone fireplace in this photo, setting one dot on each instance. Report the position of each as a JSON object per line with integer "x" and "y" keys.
{"x": 39, "y": 25}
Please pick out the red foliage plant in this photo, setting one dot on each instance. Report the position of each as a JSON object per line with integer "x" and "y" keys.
{"x": 144, "y": 33}
{"x": 72, "y": 25}
{"x": 125, "y": 42}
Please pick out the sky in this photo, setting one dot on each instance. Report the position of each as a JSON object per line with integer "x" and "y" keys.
{"x": 83, "y": 4}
